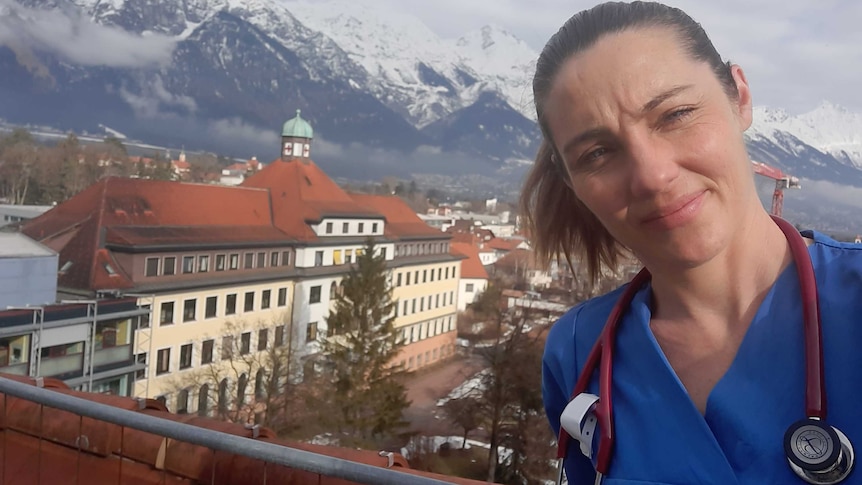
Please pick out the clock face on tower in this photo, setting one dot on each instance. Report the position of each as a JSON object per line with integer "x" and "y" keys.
{"x": 288, "y": 149}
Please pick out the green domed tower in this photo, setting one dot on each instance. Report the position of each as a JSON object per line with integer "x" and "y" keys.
{"x": 296, "y": 138}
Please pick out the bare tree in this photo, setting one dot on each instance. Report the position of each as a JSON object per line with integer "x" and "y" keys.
{"x": 242, "y": 383}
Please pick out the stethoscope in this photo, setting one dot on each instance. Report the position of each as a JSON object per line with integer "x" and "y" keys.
{"x": 818, "y": 453}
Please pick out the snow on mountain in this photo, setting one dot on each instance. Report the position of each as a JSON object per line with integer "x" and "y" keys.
{"x": 829, "y": 128}
{"x": 507, "y": 62}
{"x": 413, "y": 69}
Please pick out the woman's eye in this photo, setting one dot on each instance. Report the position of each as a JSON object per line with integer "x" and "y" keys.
{"x": 678, "y": 115}
{"x": 593, "y": 155}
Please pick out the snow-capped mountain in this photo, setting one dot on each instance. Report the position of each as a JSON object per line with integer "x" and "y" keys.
{"x": 411, "y": 66}
{"x": 829, "y": 128}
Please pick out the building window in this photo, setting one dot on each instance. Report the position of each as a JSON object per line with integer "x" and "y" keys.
{"x": 424, "y": 275}
{"x": 249, "y": 261}
{"x": 226, "y": 347}
{"x": 262, "y": 337}
{"x": 245, "y": 343}
{"x": 432, "y": 275}
{"x": 285, "y": 258}
{"x": 167, "y": 314}
{"x": 204, "y": 400}
{"x": 407, "y": 274}
{"x": 398, "y": 279}
{"x": 248, "y": 306}
{"x": 219, "y": 262}
{"x": 345, "y": 227}
{"x": 152, "y": 267}
{"x": 314, "y": 295}
{"x": 318, "y": 258}
{"x": 273, "y": 259}
{"x": 374, "y": 228}
{"x": 163, "y": 362}
{"x": 469, "y": 288}
{"x": 348, "y": 256}
{"x": 311, "y": 332}
{"x": 437, "y": 301}
{"x": 422, "y": 304}
{"x": 207, "y": 352}
{"x": 230, "y": 304}
{"x": 141, "y": 359}
{"x": 233, "y": 262}
{"x": 203, "y": 264}
{"x": 413, "y": 306}
{"x": 361, "y": 227}
{"x": 170, "y": 266}
{"x": 383, "y": 253}
{"x": 329, "y": 228}
{"x": 261, "y": 260}
{"x": 282, "y": 296}
{"x": 404, "y": 311}
{"x": 189, "y": 310}
{"x": 416, "y": 277}
{"x": 439, "y": 273}
{"x": 188, "y": 264}
{"x": 279, "y": 335}
{"x": 336, "y": 256}
{"x": 211, "y": 305}
{"x": 265, "y": 297}
{"x": 186, "y": 356}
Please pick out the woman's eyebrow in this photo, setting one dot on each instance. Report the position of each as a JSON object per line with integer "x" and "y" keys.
{"x": 661, "y": 98}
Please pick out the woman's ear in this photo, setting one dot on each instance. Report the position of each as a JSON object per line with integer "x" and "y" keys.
{"x": 742, "y": 104}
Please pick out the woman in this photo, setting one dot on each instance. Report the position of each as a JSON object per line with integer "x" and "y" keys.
{"x": 643, "y": 154}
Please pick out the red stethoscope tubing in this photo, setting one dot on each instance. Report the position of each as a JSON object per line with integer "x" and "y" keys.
{"x": 601, "y": 355}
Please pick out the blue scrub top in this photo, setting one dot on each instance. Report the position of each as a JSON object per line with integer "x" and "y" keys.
{"x": 661, "y": 437}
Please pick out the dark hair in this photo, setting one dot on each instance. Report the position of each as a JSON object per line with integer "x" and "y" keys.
{"x": 558, "y": 222}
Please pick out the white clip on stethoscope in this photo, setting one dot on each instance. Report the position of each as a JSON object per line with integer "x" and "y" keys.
{"x": 818, "y": 453}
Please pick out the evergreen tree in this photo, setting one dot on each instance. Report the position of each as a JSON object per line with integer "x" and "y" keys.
{"x": 359, "y": 352}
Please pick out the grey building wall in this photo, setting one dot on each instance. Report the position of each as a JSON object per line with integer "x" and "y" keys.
{"x": 28, "y": 280}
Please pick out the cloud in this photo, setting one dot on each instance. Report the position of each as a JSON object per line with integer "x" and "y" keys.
{"x": 77, "y": 39}
{"x": 154, "y": 99}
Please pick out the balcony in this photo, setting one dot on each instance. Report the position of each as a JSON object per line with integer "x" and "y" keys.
{"x": 66, "y": 365}
{"x": 55, "y": 435}
{"x": 110, "y": 356}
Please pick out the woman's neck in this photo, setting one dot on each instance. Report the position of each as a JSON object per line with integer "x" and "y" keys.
{"x": 727, "y": 290}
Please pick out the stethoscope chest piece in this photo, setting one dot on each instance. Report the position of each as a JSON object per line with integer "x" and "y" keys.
{"x": 818, "y": 453}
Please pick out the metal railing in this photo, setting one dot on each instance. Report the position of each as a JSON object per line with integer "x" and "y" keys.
{"x": 215, "y": 440}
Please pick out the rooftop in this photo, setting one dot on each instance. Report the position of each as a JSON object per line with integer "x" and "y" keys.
{"x": 51, "y": 434}
{"x": 471, "y": 266}
{"x": 14, "y": 245}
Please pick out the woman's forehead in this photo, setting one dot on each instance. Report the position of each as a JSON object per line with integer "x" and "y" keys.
{"x": 625, "y": 70}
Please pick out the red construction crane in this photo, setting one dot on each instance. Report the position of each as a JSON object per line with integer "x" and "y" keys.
{"x": 782, "y": 181}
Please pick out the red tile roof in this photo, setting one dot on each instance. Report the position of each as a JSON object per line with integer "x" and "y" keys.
{"x": 302, "y": 193}
{"x": 78, "y": 227}
{"x": 501, "y": 244}
{"x": 401, "y": 221}
{"x": 471, "y": 267}
{"x": 174, "y": 235}
{"x": 113, "y": 454}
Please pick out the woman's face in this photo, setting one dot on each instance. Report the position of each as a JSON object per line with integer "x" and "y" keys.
{"x": 653, "y": 145}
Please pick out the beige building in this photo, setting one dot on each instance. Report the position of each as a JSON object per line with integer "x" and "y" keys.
{"x": 263, "y": 259}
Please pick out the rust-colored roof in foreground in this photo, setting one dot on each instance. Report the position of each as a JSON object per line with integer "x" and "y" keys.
{"x": 471, "y": 266}
{"x": 41, "y": 445}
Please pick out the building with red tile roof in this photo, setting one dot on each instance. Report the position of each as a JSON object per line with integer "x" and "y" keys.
{"x": 474, "y": 278}
{"x": 266, "y": 256}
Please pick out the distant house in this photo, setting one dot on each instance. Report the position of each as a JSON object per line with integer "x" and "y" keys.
{"x": 474, "y": 278}
{"x": 522, "y": 264}
{"x": 236, "y": 173}
{"x": 10, "y": 214}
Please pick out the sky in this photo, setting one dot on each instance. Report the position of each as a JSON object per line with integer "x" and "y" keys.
{"x": 795, "y": 53}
